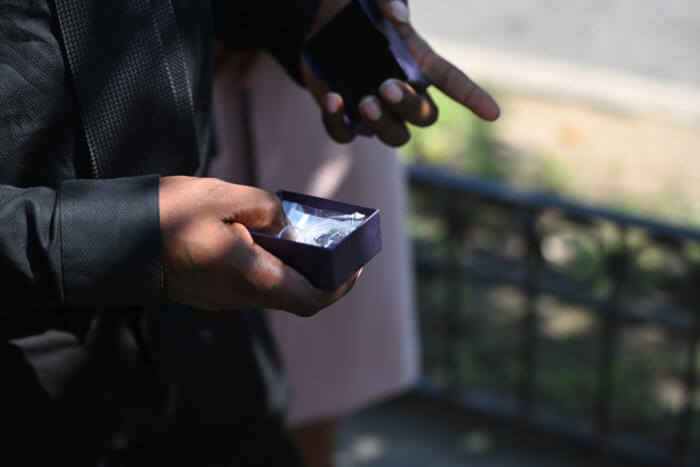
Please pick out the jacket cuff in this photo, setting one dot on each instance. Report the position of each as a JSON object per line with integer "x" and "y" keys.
{"x": 279, "y": 26}
{"x": 110, "y": 241}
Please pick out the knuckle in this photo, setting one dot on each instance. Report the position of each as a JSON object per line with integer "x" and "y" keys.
{"x": 345, "y": 138}
{"x": 398, "y": 139}
{"x": 429, "y": 119}
{"x": 342, "y": 137}
{"x": 313, "y": 305}
{"x": 330, "y": 121}
{"x": 304, "y": 309}
{"x": 382, "y": 131}
{"x": 428, "y": 63}
{"x": 271, "y": 204}
{"x": 212, "y": 185}
{"x": 412, "y": 108}
{"x": 215, "y": 189}
{"x": 405, "y": 30}
{"x": 307, "y": 312}
{"x": 338, "y": 132}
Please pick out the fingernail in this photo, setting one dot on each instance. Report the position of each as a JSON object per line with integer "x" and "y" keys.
{"x": 400, "y": 11}
{"x": 370, "y": 108}
{"x": 391, "y": 91}
{"x": 332, "y": 102}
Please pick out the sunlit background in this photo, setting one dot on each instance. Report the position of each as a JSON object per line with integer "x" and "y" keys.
{"x": 557, "y": 250}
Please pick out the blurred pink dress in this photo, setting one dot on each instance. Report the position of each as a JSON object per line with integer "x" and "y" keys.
{"x": 364, "y": 348}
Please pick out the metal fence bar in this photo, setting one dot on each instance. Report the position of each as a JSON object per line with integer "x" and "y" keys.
{"x": 617, "y": 266}
{"x": 683, "y": 439}
{"x": 453, "y": 302}
{"x": 499, "y": 193}
{"x": 679, "y": 326}
{"x": 534, "y": 278}
{"x": 528, "y": 350}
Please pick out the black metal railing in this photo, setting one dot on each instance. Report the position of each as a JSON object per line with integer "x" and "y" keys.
{"x": 579, "y": 321}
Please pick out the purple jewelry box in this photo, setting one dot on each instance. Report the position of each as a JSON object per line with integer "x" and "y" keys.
{"x": 356, "y": 52}
{"x": 327, "y": 268}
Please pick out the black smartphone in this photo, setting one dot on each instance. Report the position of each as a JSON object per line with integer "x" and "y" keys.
{"x": 355, "y": 52}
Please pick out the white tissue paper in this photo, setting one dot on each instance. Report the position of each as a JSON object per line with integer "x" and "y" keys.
{"x": 317, "y": 226}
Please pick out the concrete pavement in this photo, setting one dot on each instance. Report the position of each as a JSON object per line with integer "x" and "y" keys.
{"x": 659, "y": 39}
{"x": 634, "y": 56}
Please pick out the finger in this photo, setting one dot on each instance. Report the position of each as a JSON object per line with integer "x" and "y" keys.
{"x": 332, "y": 107}
{"x": 327, "y": 298}
{"x": 407, "y": 104}
{"x": 396, "y": 10}
{"x": 458, "y": 86}
{"x": 266, "y": 214}
{"x": 317, "y": 89}
{"x": 448, "y": 78}
{"x": 388, "y": 128}
{"x": 273, "y": 284}
{"x": 256, "y": 209}
{"x": 283, "y": 288}
{"x": 334, "y": 118}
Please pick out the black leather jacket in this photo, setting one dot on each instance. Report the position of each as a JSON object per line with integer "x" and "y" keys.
{"x": 97, "y": 101}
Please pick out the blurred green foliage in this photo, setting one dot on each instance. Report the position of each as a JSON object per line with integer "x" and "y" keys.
{"x": 461, "y": 142}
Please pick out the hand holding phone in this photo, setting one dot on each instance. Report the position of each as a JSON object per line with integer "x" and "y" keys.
{"x": 371, "y": 69}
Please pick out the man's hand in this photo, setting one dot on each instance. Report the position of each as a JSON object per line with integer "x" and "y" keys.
{"x": 397, "y": 102}
{"x": 210, "y": 260}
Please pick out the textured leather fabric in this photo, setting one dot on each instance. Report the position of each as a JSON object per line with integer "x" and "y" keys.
{"x": 110, "y": 241}
{"x": 137, "y": 106}
{"x": 133, "y": 121}
{"x": 38, "y": 118}
{"x": 30, "y": 249}
{"x": 195, "y": 28}
{"x": 93, "y": 108}
{"x": 91, "y": 242}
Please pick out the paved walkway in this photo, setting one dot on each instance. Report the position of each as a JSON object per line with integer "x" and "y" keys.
{"x": 416, "y": 432}
{"x": 589, "y": 52}
{"x": 654, "y": 38}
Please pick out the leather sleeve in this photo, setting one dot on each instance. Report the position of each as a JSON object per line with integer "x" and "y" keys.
{"x": 90, "y": 242}
{"x": 278, "y": 26}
